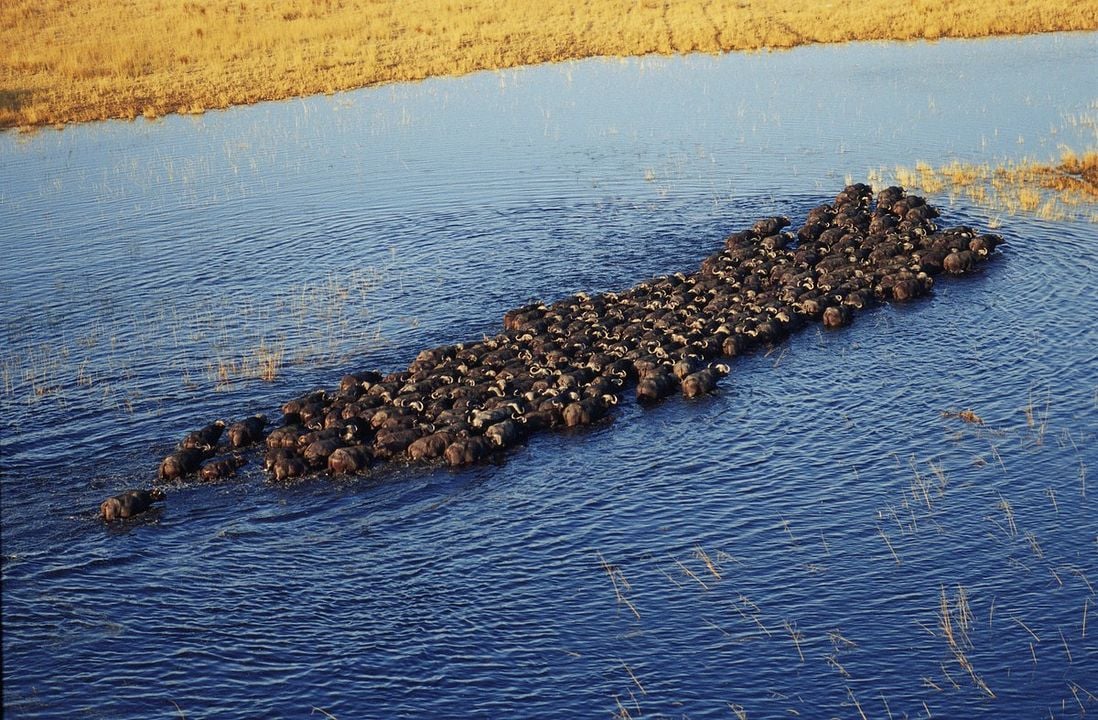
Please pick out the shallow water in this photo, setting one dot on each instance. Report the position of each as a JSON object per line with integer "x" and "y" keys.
{"x": 835, "y": 503}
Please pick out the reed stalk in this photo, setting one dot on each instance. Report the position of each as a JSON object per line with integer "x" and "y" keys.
{"x": 707, "y": 561}
{"x": 690, "y": 574}
{"x": 858, "y": 705}
{"x": 738, "y": 711}
{"x": 884, "y": 536}
{"x": 795, "y": 635}
{"x": 633, "y": 677}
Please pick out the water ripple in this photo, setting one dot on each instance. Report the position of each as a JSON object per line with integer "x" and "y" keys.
{"x": 783, "y": 546}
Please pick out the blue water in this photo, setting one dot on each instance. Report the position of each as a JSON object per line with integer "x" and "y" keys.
{"x": 836, "y": 503}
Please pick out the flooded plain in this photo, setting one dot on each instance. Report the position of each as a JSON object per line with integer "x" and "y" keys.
{"x": 823, "y": 537}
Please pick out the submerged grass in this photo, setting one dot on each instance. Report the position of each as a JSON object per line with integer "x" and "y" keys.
{"x": 81, "y": 60}
{"x": 964, "y": 634}
{"x": 216, "y": 346}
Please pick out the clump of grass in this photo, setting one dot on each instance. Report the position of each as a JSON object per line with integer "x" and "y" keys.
{"x": 1075, "y": 174}
{"x": 269, "y": 361}
{"x": 968, "y": 416}
{"x": 262, "y": 363}
{"x": 40, "y": 372}
{"x": 1062, "y": 189}
{"x": 954, "y": 622}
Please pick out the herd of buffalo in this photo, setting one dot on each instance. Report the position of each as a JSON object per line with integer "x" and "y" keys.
{"x": 567, "y": 364}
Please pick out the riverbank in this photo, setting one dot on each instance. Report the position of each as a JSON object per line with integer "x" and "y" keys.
{"x": 87, "y": 60}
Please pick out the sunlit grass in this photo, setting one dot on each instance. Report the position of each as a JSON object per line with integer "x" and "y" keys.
{"x": 82, "y": 60}
{"x": 1062, "y": 189}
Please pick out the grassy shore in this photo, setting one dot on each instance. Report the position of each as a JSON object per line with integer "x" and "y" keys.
{"x": 77, "y": 60}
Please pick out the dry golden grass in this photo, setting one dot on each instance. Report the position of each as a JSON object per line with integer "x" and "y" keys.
{"x": 77, "y": 60}
{"x": 1054, "y": 191}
